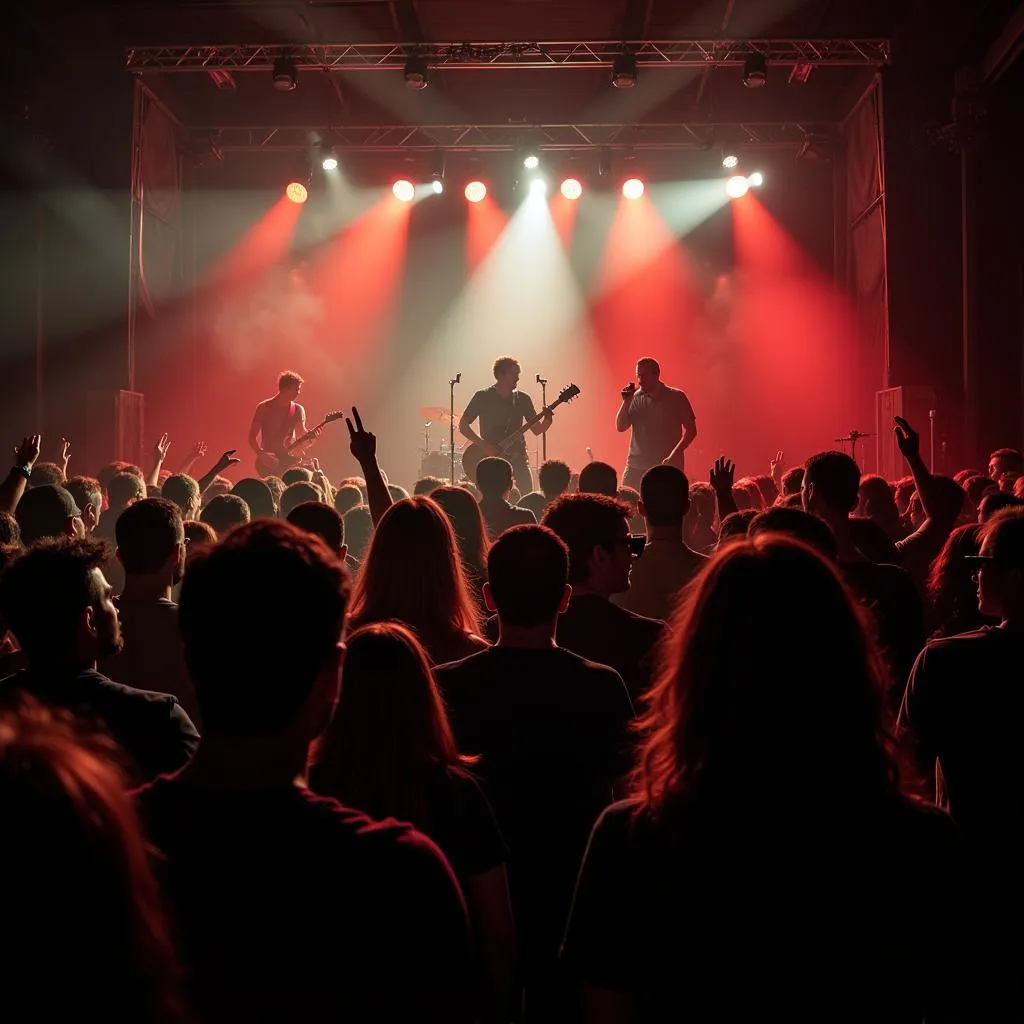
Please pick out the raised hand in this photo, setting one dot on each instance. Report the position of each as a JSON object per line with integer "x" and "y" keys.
{"x": 26, "y": 454}
{"x": 907, "y": 439}
{"x": 65, "y": 451}
{"x": 721, "y": 477}
{"x": 362, "y": 444}
{"x": 777, "y": 465}
{"x": 161, "y": 448}
{"x": 226, "y": 460}
{"x": 198, "y": 450}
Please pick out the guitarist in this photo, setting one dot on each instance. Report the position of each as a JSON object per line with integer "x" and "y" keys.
{"x": 278, "y": 420}
{"x": 501, "y": 409}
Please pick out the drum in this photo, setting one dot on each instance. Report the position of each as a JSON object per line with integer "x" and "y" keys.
{"x": 439, "y": 464}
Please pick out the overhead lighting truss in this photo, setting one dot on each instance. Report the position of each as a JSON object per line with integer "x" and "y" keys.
{"x": 678, "y": 53}
{"x": 477, "y": 138}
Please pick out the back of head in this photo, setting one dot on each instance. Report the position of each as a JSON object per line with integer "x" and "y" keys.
{"x": 347, "y": 496}
{"x": 10, "y": 532}
{"x": 665, "y": 494}
{"x": 296, "y": 494}
{"x": 277, "y": 486}
{"x": 1003, "y": 537}
{"x": 703, "y": 501}
{"x": 44, "y": 473}
{"x": 397, "y": 492}
{"x": 527, "y": 570}
{"x": 198, "y": 534}
{"x": 996, "y": 502}
{"x": 92, "y": 939}
{"x": 747, "y": 494}
{"x": 535, "y": 502}
{"x": 796, "y": 523}
{"x": 148, "y": 533}
{"x": 44, "y": 594}
{"x": 584, "y": 522}
{"x": 390, "y": 731}
{"x": 45, "y": 512}
{"x": 183, "y": 490}
{"x": 427, "y": 485}
{"x": 553, "y": 478}
{"x": 735, "y": 525}
{"x": 494, "y": 477}
{"x": 111, "y": 469}
{"x": 903, "y": 492}
{"x": 876, "y": 490}
{"x": 951, "y": 587}
{"x": 413, "y": 574}
{"x": 463, "y": 512}
{"x": 86, "y": 490}
{"x": 949, "y": 497}
{"x": 831, "y": 483}
{"x": 296, "y": 475}
{"x": 258, "y": 684}
{"x": 358, "y": 530}
{"x": 717, "y": 723}
{"x": 793, "y": 480}
{"x": 322, "y": 520}
{"x": 124, "y": 489}
{"x": 599, "y": 478}
{"x": 225, "y": 512}
{"x": 258, "y": 496}
{"x": 977, "y": 486}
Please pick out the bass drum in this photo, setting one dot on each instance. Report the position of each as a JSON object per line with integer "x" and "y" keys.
{"x": 439, "y": 464}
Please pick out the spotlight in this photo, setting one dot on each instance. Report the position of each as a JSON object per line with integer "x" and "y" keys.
{"x": 538, "y": 187}
{"x": 438, "y": 186}
{"x": 476, "y": 191}
{"x": 330, "y": 161}
{"x": 403, "y": 190}
{"x": 632, "y": 188}
{"x": 755, "y": 71}
{"x": 286, "y": 77}
{"x": 437, "y": 171}
{"x": 755, "y": 180}
{"x": 297, "y": 192}
{"x": 736, "y": 186}
{"x": 604, "y": 162}
{"x": 417, "y": 74}
{"x": 624, "y": 71}
{"x": 531, "y": 161}
{"x": 729, "y": 161}
{"x": 572, "y": 188}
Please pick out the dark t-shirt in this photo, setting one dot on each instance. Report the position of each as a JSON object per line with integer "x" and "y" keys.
{"x": 499, "y": 415}
{"x": 657, "y": 421}
{"x": 725, "y": 919}
{"x": 552, "y": 732}
{"x": 152, "y": 729}
{"x": 288, "y": 906}
{"x": 500, "y": 516}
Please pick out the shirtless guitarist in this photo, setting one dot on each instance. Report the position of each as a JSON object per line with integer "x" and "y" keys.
{"x": 278, "y": 420}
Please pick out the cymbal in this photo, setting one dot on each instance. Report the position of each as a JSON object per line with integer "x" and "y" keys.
{"x": 437, "y": 414}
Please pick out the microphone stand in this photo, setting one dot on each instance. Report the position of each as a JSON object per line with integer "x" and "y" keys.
{"x": 457, "y": 379}
{"x": 544, "y": 404}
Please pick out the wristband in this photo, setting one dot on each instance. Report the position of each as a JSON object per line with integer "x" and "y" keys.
{"x": 24, "y": 471}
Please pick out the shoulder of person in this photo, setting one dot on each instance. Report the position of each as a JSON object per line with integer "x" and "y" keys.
{"x": 464, "y": 666}
{"x": 641, "y": 622}
{"x": 961, "y": 644}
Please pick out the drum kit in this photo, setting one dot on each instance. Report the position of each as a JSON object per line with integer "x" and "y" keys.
{"x": 438, "y": 461}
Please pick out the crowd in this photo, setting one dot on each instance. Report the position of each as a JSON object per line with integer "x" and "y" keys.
{"x": 280, "y": 750}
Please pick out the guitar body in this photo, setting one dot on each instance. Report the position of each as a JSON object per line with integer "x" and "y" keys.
{"x": 472, "y": 456}
{"x": 275, "y": 463}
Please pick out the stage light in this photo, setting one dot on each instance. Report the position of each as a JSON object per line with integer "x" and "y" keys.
{"x": 604, "y": 162}
{"x": 755, "y": 71}
{"x": 403, "y": 190}
{"x": 632, "y": 188}
{"x": 531, "y": 161}
{"x": 755, "y": 180}
{"x": 437, "y": 164}
{"x": 736, "y": 186}
{"x": 730, "y": 161}
{"x": 572, "y": 188}
{"x": 438, "y": 186}
{"x": 417, "y": 74}
{"x": 538, "y": 187}
{"x": 624, "y": 71}
{"x": 286, "y": 76}
{"x": 297, "y": 192}
{"x": 476, "y": 191}
{"x": 330, "y": 161}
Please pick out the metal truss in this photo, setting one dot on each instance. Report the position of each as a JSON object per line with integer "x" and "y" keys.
{"x": 476, "y": 138}
{"x": 676, "y": 53}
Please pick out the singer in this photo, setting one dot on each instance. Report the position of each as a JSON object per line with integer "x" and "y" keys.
{"x": 502, "y": 409}
{"x": 662, "y": 421}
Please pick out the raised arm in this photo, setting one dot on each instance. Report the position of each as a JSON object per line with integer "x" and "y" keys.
{"x": 909, "y": 443}
{"x": 622, "y": 417}
{"x": 721, "y": 478}
{"x": 13, "y": 487}
{"x": 198, "y": 452}
{"x": 160, "y": 450}
{"x": 363, "y": 446}
{"x": 65, "y": 455}
{"x": 226, "y": 460}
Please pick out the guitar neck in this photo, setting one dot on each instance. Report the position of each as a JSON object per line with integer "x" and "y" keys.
{"x": 529, "y": 423}
{"x": 305, "y": 437}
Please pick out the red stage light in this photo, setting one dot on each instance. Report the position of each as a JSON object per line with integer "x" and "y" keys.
{"x": 403, "y": 190}
{"x": 297, "y": 192}
{"x": 572, "y": 188}
{"x": 476, "y": 191}
{"x": 632, "y": 188}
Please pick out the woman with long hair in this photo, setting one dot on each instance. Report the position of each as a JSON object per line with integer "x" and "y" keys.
{"x": 767, "y": 864}
{"x": 463, "y": 512}
{"x": 85, "y": 936}
{"x": 390, "y": 752}
{"x": 413, "y": 574}
{"x": 952, "y": 590}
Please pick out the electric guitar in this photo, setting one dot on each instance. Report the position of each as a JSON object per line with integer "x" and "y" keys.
{"x": 473, "y": 455}
{"x": 275, "y": 463}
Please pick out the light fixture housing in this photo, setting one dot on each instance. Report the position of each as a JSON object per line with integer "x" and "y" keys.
{"x": 286, "y": 75}
{"x": 296, "y": 192}
{"x": 755, "y": 180}
{"x": 417, "y": 73}
{"x": 403, "y": 190}
{"x": 755, "y": 71}
{"x": 632, "y": 188}
{"x": 476, "y": 191}
{"x": 730, "y": 160}
{"x": 624, "y": 73}
{"x": 737, "y": 186}
{"x": 329, "y": 160}
{"x": 531, "y": 161}
{"x": 572, "y": 188}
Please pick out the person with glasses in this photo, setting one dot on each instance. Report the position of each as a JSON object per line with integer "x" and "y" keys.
{"x": 962, "y": 709}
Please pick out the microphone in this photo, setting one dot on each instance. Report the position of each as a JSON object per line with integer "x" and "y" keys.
{"x": 456, "y": 380}
{"x": 590, "y": 454}
{"x": 541, "y": 380}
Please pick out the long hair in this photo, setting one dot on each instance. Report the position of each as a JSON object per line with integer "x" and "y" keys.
{"x": 86, "y": 933}
{"x": 719, "y": 728}
{"x": 463, "y": 512}
{"x": 413, "y": 574}
{"x": 390, "y": 735}
{"x": 952, "y": 592}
